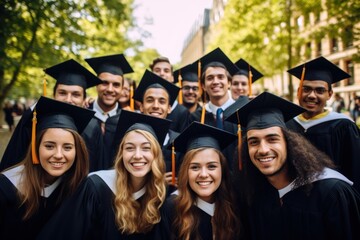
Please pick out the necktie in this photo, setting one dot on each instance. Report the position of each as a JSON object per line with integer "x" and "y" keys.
{"x": 219, "y": 122}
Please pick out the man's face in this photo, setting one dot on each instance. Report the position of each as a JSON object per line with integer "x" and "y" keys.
{"x": 163, "y": 69}
{"x": 216, "y": 83}
{"x": 314, "y": 96}
{"x": 239, "y": 86}
{"x": 267, "y": 151}
{"x": 191, "y": 92}
{"x": 156, "y": 103}
{"x": 71, "y": 94}
{"x": 109, "y": 91}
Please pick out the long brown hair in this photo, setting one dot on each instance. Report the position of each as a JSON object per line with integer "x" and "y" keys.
{"x": 33, "y": 176}
{"x": 139, "y": 216}
{"x": 186, "y": 221}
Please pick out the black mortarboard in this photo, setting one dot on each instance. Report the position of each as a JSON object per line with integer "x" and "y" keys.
{"x": 128, "y": 121}
{"x": 239, "y": 103}
{"x": 244, "y": 70}
{"x": 264, "y": 111}
{"x": 114, "y": 64}
{"x": 71, "y": 72}
{"x": 319, "y": 69}
{"x": 49, "y": 113}
{"x": 188, "y": 73}
{"x": 198, "y": 135}
{"x": 217, "y": 56}
{"x": 151, "y": 80}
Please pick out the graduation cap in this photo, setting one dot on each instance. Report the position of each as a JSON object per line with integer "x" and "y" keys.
{"x": 129, "y": 121}
{"x": 318, "y": 69}
{"x": 187, "y": 73}
{"x": 49, "y": 113}
{"x": 199, "y": 135}
{"x": 71, "y": 72}
{"x": 151, "y": 80}
{"x": 114, "y": 64}
{"x": 264, "y": 111}
{"x": 249, "y": 71}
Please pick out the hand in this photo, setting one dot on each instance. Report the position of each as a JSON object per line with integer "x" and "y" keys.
{"x": 168, "y": 179}
{"x": 88, "y": 101}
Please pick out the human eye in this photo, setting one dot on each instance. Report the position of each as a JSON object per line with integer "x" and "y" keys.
{"x": 194, "y": 167}
{"x": 129, "y": 148}
{"x": 68, "y": 147}
{"x": 212, "y": 166}
{"x": 320, "y": 90}
{"x": 307, "y": 89}
{"x": 146, "y": 147}
{"x": 49, "y": 146}
{"x": 252, "y": 142}
{"x": 116, "y": 85}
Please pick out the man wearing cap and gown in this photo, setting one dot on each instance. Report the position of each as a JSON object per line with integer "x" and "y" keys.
{"x": 90, "y": 213}
{"x": 179, "y": 114}
{"x": 190, "y": 90}
{"x": 72, "y": 80}
{"x": 216, "y": 70}
{"x": 331, "y": 132}
{"x": 291, "y": 190}
{"x": 242, "y": 80}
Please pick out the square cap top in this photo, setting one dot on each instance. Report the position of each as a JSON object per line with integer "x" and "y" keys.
{"x": 151, "y": 80}
{"x": 188, "y": 73}
{"x": 320, "y": 69}
{"x": 51, "y": 113}
{"x": 217, "y": 55}
{"x": 129, "y": 121}
{"x": 244, "y": 67}
{"x": 71, "y": 72}
{"x": 198, "y": 135}
{"x": 264, "y": 111}
{"x": 115, "y": 64}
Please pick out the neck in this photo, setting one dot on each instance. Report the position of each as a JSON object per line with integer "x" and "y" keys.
{"x": 137, "y": 183}
{"x": 280, "y": 179}
{"x": 190, "y": 106}
{"x": 220, "y": 101}
{"x": 104, "y": 107}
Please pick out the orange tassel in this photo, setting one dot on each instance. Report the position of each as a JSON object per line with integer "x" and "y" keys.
{"x": 35, "y": 159}
{"x": 44, "y": 87}
{"x": 173, "y": 165}
{"x": 239, "y": 142}
{"x": 199, "y": 77}
{"x": 180, "y": 100}
{"x": 301, "y": 82}
{"x": 132, "y": 103}
{"x": 250, "y": 81}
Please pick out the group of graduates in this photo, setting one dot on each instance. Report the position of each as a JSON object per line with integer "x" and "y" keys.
{"x": 230, "y": 166}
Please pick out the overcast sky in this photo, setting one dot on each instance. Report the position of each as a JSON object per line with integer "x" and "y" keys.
{"x": 172, "y": 21}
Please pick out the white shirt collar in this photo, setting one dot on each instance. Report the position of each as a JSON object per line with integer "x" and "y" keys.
{"x": 209, "y": 208}
{"x": 101, "y": 114}
{"x": 210, "y": 107}
{"x": 173, "y": 106}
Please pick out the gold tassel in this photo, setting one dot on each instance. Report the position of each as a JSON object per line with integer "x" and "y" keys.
{"x": 34, "y": 157}
{"x": 180, "y": 100}
{"x": 173, "y": 165}
{"x": 250, "y": 81}
{"x": 239, "y": 142}
{"x": 132, "y": 103}
{"x": 301, "y": 82}
{"x": 44, "y": 87}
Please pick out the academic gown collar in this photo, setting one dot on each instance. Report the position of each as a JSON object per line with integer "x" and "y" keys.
{"x": 209, "y": 208}
{"x": 15, "y": 174}
{"x": 327, "y": 173}
{"x": 306, "y": 124}
{"x": 109, "y": 177}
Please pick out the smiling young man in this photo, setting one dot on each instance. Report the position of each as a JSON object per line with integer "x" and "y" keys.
{"x": 291, "y": 190}
{"x": 331, "y": 132}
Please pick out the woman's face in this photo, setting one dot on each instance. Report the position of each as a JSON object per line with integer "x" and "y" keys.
{"x": 205, "y": 174}
{"x": 56, "y": 152}
{"x": 125, "y": 92}
{"x": 137, "y": 155}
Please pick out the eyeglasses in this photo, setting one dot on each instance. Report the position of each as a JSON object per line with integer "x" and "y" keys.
{"x": 187, "y": 88}
{"x": 318, "y": 90}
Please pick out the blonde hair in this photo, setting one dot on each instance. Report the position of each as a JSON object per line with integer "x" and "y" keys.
{"x": 33, "y": 176}
{"x": 139, "y": 216}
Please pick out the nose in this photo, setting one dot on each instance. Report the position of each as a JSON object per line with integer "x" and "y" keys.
{"x": 58, "y": 154}
{"x": 110, "y": 87}
{"x": 68, "y": 98}
{"x": 263, "y": 148}
{"x": 137, "y": 154}
{"x": 156, "y": 104}
{"x": 203, "y": 172}
{"x": 312, "y": 94}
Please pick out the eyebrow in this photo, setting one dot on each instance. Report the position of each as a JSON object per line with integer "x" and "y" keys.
{"x": 268, "y": 135}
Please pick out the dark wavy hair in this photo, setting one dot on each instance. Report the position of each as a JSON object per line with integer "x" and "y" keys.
{"x": 304, "y": 161}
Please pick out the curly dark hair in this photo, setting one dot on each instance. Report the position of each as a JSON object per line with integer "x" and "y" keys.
{"x": 305, "y": 162}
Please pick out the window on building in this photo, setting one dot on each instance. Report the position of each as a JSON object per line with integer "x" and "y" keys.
{"x": 348, "y": 37}
{"x": 334, "y": 45}
{"x": 350, "y": 69}
{"x": 318, "y": 48}
{"x": 308, "y": 50}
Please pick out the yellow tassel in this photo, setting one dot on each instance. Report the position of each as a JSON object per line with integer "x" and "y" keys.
{"x": 44, "y": 87}
{"x": 239, "y": 142}
{"x": 35, "y": 159}
{"x": 301, "y": 82}
{"x": 250, "y": 81}
{"x": 132, "y": 103}
{"x": 180, "y": 100}
{"x": 173, "y": 165}
{"x": 199, "y": 77}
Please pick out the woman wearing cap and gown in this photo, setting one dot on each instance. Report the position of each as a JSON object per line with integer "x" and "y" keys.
{"x": 204, "y": 206}
{"x": 122, "y": 203}
{"x": 31, "y": 191}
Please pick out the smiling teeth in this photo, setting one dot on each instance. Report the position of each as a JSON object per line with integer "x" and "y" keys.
{"x": 138, "y": 164}
{"x": 56, "y": 164}
{"x": 265, "y": 159}
{"x": 204, "y": 183}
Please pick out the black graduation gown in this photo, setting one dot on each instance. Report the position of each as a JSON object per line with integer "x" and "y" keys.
{"x": 230, "y": 151}
{"x": 164, "y": 230}
{"x": 329, "y": 211}
{"x": 179, "y": 117}
{"x": 19, "y": 142}
{"x": 11, "y": 224}
{"x": 340, "y": 140}
{"x": 89, "y": 214}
